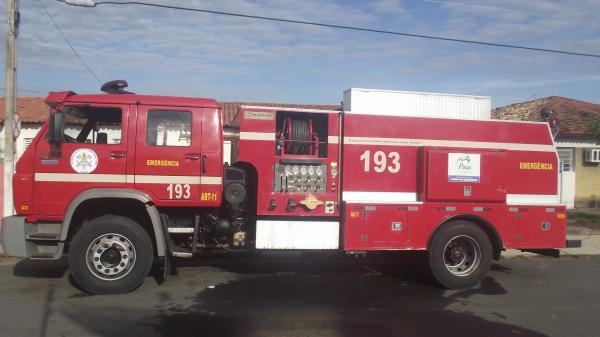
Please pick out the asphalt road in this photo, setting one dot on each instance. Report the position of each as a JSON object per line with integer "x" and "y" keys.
{"x": 289, "y": 295}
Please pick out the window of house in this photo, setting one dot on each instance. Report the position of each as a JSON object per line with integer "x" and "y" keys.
{"x": 169, "y": 128}
{"x": 92, "y": 125}
{"x": 566, "y": 159}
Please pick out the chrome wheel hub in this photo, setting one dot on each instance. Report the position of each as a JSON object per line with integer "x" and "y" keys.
{"x": 462, "y": 255}
{"x": 110, "y": 256}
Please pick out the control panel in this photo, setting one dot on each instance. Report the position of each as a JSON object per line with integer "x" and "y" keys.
{"x": 300, "y": 177}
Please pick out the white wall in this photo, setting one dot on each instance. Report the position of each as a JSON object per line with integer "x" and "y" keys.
{"x": 227, "y": 151}
{"x": 28, "y": 131}
{"x": 567, "y": 188}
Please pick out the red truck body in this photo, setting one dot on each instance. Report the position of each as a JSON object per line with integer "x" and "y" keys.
{"x": 516, "y": 191}
{"x": 300, "y": 179}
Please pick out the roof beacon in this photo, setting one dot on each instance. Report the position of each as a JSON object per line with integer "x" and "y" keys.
{"x": 115, "y": 87}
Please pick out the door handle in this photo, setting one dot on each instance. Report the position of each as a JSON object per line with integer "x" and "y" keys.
{"x": 117, "y": 155}
{"x": 192, "y": 157}
{"x": 203, "y": 164}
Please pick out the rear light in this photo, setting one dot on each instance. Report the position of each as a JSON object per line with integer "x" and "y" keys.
{"x": 561, "y": 216}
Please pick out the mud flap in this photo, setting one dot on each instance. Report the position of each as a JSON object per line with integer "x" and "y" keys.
{"x": 167, "y": 267}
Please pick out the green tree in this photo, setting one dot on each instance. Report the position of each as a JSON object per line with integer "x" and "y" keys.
{"x": 595, "y": 130}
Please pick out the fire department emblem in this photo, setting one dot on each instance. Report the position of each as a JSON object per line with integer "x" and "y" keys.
{"x": 311, "y": 202}
{"x": 84, "y": 160}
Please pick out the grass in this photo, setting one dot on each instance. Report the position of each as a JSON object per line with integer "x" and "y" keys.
{"x": 589, "y": 218}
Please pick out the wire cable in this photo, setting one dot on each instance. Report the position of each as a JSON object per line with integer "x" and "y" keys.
{"x": 28, "y": 91}
{"x": 362, "y": 29}
{"x": 69, "y": 43}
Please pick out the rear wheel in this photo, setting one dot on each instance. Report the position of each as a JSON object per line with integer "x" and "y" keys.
{"x": 460, "y": 255}
{"x": 110, "y": 254}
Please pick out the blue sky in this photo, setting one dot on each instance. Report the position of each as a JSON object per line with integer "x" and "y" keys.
{"x": 235, "y": 59}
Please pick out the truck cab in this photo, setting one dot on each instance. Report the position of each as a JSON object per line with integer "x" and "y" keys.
{"x": 121, "y": 154}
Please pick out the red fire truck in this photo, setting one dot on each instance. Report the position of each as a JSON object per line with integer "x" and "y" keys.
{"x": 463, "y": 190}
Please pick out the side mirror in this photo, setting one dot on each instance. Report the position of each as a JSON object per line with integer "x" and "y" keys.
{"x": 55, "y": 128}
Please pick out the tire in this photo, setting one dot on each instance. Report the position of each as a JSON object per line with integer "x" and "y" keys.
{"x": 460, "y": 255}
{"x": 110, "y": 254}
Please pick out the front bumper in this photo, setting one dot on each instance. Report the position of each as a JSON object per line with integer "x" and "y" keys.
{"x": 13, "y": 236}
{"x": 34, "y": 240}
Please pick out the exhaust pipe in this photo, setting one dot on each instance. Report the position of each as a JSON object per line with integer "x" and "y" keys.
{"x": 231, "y": 133}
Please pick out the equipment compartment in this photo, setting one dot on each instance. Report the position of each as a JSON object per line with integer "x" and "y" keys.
{"x": 466, "y": 174}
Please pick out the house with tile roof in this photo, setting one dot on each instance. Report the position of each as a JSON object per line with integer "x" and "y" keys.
{"x": 578, "y": 149}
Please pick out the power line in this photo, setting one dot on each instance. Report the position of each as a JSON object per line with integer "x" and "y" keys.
{"x": 68, "y": 43}
{"x": 28, "y": 91}
{"x": 362, "y": 29}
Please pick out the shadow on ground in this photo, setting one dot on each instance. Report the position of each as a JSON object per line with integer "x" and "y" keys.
{"x": 309, "y": 296}
{"x": 40, "y": 268}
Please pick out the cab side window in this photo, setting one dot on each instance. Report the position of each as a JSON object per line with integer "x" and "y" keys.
{"x": 169, "y": 128}
{"x": 93, "y": 125}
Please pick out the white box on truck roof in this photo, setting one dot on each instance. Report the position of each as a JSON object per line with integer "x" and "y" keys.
{"x": 417, "y": 104}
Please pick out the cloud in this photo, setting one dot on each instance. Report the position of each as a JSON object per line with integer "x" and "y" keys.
{"x": 393, "y": 7}
{"x": 173, "y": 52}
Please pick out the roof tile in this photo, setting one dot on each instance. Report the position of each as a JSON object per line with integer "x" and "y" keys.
{"x": 573, "y": 117}
{"x": 31, "y": 109}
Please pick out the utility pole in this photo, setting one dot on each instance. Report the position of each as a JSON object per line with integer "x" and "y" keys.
{"x": 10, "y": 96}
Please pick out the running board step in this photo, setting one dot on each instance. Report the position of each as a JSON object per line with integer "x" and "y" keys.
{"x": 43, "y": 236}
{"x": 43, "y": 256}
{"x": 182, "y": 252}
{"x": 181, "y": 230}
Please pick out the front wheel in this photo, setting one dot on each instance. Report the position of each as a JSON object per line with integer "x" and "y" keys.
{"x": 110, "y": 254}
{"x": 460, "y": 255}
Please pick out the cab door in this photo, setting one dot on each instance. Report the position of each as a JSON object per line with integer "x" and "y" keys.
{"x": 93, "y": 155}
{"x": 168, "y": 161}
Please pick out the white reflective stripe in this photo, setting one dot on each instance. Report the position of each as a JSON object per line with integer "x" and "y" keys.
{"x": 257, "y": 136}
{"x": 283, "y": 108}
{"x": 270, "y": 136}
{"x": 122, "y": 178}
{"x": 532, "y": 199}
{"x": 448, "y": 143}
{"x": 206, "y": 180}
{"x": 81, "y": 177}
{"x": 380, "y": 197}
{"x": 148, "y": 179}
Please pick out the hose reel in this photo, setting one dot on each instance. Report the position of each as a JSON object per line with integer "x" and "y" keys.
{"x": 298, "y": 137}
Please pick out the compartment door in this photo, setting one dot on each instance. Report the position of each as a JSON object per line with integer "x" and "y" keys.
{"x": 386, "y": 227}
{"x": 466, "y": 175}
{"x": 540, "y": 228}
{"x": 354, "y": 227}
